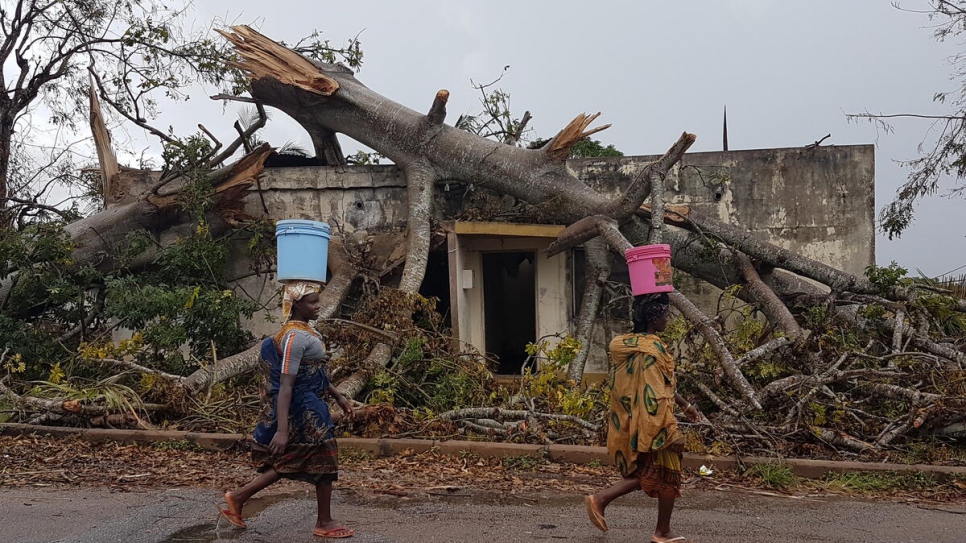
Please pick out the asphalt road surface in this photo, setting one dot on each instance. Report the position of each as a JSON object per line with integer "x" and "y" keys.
{"x": 91, "y": 515}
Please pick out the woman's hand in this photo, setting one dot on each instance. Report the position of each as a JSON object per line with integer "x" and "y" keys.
{"x": 279, "y": 442}
{"x": 692, "y": 413}
{"x": 677, "y": 446}
{"x": 346, "y": 407}
{"x": 689, "y": 409}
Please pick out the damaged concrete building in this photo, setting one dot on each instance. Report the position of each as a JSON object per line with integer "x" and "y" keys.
{"x": 497, "y": 288}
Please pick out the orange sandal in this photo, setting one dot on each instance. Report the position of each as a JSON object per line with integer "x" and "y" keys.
{"x": 232, "y": 517}
{"x": 594, "y": 514}
{"x": 334, "y": 533}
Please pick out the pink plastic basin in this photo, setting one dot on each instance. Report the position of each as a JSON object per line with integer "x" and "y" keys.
{"x": 650, "y": 269}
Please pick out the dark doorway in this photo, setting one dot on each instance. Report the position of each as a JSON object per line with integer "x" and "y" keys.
{"x": 436, "y": 284}
{"x": 510, "y": 307}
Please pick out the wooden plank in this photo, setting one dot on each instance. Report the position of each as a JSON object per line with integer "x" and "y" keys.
{"x": 508, "y": 229}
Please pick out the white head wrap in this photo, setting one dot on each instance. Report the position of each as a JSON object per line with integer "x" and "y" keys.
{"x": 295, "y": 291}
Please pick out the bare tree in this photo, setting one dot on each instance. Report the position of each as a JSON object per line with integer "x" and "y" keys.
{"x": 139, "y": 53}
{"x": 946, "y": 155}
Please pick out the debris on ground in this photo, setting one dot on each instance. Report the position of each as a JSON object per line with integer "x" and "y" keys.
{"x": 30, "y": 461}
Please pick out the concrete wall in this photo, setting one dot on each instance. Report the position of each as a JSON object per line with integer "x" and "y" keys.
{"x": 819, "y": 202}
{"x": 356, "y": 200}
{"x": 359, "y": 198}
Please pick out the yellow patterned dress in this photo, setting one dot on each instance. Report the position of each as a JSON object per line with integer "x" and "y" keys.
{"x": 641, "y": 423}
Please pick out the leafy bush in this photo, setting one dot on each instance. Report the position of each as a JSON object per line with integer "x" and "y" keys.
{"x": 177, "y": 298}
{"x": 435, "y": 383}
{"x": 548, "y": 388}
{"x": 886, "y": 278}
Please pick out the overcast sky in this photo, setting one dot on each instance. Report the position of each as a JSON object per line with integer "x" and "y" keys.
{"x": 788, "y": 71}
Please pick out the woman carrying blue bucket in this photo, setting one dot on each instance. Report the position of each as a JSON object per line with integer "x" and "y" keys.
{"x": 294, "y": 437}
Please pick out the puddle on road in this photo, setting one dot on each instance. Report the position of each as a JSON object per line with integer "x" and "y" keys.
{"x": 204, "y": 533}
{"x": 222, "y": 530}
{"x": 259, "y": 503}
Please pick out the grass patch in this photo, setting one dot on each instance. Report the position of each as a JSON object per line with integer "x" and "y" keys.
{"x": 874, "y": 482}
{"x": 349, "y": 454}
{"x": 523, "y": 462}
{"x": 469, "y": 456}
{"x": 595, "y": 464}
{"x": 772, "y": 474}
{"x": 7, "y": 411}
{"x": 176, "y": 445}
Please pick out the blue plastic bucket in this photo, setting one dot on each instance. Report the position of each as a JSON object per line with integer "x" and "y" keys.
{"x": 303, "y": 249}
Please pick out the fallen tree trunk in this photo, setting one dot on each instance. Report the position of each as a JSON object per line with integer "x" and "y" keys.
{"x": 598, "y": 269}
{"x": 782, "y": 371}
{"x": 327, "y": 98}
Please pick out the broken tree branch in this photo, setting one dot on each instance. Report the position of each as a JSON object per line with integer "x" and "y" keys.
{"x": 597, "y": 270}
{"x": 437, "y": 112}
{"x": 558, "y": 150}
{"x": 693, "y": 315}
{"x": 773, "y": 308}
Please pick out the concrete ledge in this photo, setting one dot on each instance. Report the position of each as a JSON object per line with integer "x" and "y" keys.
{"x": 217, "y": 442}
{"x": 385, "y": 447}
{"x": 576, "y": 454}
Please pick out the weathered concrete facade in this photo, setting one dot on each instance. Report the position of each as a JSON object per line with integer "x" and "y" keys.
{"x": 819, "y": 202}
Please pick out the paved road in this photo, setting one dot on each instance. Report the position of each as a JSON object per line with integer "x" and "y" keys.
{"x": 30, "y": 515}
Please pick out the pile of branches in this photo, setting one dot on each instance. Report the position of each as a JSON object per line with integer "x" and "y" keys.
{"x": 854, "y": 383}
{"x": 861, "y": 380}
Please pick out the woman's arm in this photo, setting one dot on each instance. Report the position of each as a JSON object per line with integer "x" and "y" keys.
{"x": 342, "y": 402}
{"x": 282, "y": 405}
{"x": 687, "y": 408}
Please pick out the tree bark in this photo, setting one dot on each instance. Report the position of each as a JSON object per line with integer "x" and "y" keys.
{"x": 420, "y": 183}
{"x": 6, "y": 134}
{"x": 758, "y": 249}
{"x": 329, "y": 96}
{"x": 773, "y": 308}
{"x": 597, "y": 271}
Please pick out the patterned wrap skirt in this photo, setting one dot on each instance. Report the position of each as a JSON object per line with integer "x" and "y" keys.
{"x": 312, "y": 454}
{"x": 659, "y": 473}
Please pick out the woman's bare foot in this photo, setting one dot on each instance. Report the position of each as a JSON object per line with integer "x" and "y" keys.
{"x": 233, "y": 504}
